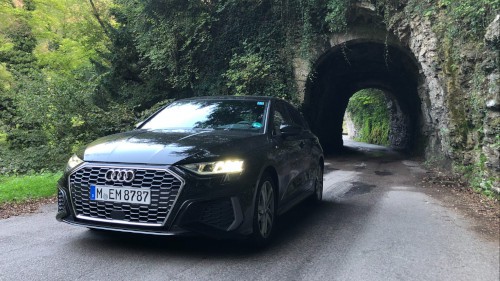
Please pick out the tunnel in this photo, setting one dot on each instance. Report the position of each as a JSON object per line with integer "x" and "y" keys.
{"x": 359, "y": 64}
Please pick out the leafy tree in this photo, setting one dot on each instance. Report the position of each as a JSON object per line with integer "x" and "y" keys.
{"x": 47, "y": 57}
{"x": 170, "y": 48}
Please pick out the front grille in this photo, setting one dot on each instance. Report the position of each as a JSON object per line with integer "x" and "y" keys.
{"x": 218, "y": 214}
{"x": 163, "y": 185}
{"x": 60, "y": 201}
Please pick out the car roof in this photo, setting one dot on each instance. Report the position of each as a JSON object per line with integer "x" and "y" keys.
{"x": 256, "y": 98}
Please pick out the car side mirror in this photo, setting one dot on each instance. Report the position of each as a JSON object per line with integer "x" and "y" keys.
{"x": 290, "y": 130}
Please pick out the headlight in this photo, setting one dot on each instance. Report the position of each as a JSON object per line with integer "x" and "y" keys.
{"x": 219, "y": 167}
{"x": 73, "y": 162}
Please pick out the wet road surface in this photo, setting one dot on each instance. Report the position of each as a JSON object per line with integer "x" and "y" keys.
{"x": 374, "y": 224}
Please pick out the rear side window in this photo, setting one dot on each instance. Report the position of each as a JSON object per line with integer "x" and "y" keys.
{"x": 296, "y": 117}
{"x": 280, "y": 117}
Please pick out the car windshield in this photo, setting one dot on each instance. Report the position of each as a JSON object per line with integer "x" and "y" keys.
{"x": 243, "y": 115}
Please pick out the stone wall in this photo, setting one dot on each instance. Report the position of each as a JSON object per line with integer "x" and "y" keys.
{"x": 459, "y": 122}
{"x": 491, "y": 126}
{"x": 453, "y": 100}
{"x": 435, "y": 124}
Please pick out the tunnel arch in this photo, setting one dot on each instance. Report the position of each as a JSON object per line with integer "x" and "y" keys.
{"x": 360, "y": 63}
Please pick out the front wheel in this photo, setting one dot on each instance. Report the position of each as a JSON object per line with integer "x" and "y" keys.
{"x": 264, "y": 218}
{"x": 318, "y": 185}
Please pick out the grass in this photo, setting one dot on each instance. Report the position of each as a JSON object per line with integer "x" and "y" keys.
{"x": 26, "y": 187}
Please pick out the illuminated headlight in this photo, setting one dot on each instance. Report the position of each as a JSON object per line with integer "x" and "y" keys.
{"x": 73, "y": 162}
{"x": 219, "y": 167}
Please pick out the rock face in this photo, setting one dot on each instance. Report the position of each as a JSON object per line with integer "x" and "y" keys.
{"x": 399, "y": 136}
{"x": 436, "y": 122}
{"x": 446, "y": 103}
{"x": 352, "y": 133}
{"x": 491, "y": 141}
{"x": 492, "y": 36}
{"x": 460, "y": 107}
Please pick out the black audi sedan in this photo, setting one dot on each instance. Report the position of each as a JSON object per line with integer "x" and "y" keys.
{"x": 216, "y": 166}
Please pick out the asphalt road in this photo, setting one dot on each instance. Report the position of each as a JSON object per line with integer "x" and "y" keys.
{"x": 374, "y": 224}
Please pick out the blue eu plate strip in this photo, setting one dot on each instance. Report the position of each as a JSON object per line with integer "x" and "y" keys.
{"x": 92, "y": 192}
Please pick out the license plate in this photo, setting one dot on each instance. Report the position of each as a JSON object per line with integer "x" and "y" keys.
{"x": 122, "y": 194}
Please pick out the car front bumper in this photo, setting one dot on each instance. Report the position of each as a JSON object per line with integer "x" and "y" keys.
{"x": 219, "y": 206}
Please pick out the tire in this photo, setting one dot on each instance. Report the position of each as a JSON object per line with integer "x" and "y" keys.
{"x": 264, "y": 219}
{"x": 317, "y": 196}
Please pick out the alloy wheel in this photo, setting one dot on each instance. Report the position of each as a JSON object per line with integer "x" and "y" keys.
{"x": 265, "y": 209}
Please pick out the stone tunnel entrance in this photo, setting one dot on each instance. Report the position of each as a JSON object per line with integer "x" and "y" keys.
{"x": 359, "y": 64}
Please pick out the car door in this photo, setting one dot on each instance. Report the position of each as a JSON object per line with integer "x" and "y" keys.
{"x": 307, "y": 140}
{"x": 288, "y": 153}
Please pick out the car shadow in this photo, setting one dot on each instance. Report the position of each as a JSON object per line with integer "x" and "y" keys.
{"x": 294, "y": 228}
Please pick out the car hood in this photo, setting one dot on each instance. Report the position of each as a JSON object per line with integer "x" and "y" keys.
{"x": 170, "y": 147}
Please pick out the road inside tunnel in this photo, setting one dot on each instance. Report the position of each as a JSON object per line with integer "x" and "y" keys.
{"x": 362, "y": 64}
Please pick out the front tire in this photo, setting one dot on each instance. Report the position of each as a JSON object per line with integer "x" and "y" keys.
{"x": 264, "y": 218}
{"x": 317, "y": 197}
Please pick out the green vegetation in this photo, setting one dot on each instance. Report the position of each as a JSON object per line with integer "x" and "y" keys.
{"x": 462, "y": 34}
{"x": 72, "y": 70}
{"x": 337, "y": 15}
{"x": 22, "y": 188}
{"x": 476, "y": 175}
{"x": 460, "y": 27}
{"x": 368, "y": 111}
{"x": 466, "y": 19}
{"x": 49, "y": 53}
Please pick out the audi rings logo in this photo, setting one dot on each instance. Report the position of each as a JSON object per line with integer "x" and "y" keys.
{"x": 119, "y": 175}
